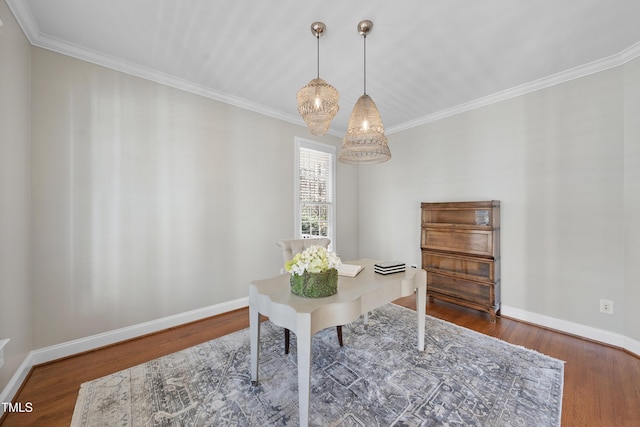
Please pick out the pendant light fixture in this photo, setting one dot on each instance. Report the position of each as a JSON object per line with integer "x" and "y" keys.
{"x": 365, "y": 141}
{"x": 318, "y": 100}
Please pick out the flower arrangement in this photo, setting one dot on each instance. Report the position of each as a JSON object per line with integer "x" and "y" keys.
{"x": 314, "y": 272}
{"x": 314, "y": 259}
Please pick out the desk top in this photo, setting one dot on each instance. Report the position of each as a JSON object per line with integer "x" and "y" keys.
{"x": 367, "y": 282}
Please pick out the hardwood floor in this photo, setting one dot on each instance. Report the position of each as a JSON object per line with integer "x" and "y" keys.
{"x": 601, "y": 388}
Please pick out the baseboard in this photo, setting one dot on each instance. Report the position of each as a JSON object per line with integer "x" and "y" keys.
{"x": 14, "y": 384}
{"x": 632, "y": 346}
{"x": 58, "y": 351}
{"x": 588, "y": 332}
{"x": 69, "y": 348}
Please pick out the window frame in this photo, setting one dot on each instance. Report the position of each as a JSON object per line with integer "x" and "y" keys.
{"x": 300, "y": 143}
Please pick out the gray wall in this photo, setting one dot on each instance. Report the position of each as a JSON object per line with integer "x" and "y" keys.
{"x": 15, "y": 122}
{"x": 124, "y": 201}
{"x": 149, "y": 201}
{"x": 146, "y": 201}
{"x": 632, "y": 199}
{"x": 555, "y": 158}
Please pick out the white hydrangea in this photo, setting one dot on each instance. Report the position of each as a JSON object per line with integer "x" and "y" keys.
{"x": 314, "y": 259}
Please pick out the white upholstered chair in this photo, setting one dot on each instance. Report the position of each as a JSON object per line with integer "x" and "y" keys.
{"x": 290, "y": 247}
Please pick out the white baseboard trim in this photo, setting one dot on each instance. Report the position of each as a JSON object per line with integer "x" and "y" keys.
{"x": 632, "y": 345}
{"x": 70, "y": 348}
{"x": 16, "y": 381}
{"x": 47, "y": 354}
{"x": 572, "y": 328}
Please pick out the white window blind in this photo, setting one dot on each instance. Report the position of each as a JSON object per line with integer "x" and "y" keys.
{"x": 315, "y": 185}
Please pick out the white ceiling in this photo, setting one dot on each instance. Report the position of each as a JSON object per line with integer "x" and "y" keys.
{"x": 425, "y": 58}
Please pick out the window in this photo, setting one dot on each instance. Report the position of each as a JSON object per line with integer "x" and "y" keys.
{"x": 315, "y": 179}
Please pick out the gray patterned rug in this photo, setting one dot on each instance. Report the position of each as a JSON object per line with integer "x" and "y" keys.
{"x": 377, "y": 379}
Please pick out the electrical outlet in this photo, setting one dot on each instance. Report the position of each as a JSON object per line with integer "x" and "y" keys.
{"x": 606, "y": 306}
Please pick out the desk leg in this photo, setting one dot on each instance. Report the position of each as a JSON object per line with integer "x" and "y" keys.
{"x": 303, "y": 335}
{"x": 254, "y": 337}
{"x": 421, "y": 305}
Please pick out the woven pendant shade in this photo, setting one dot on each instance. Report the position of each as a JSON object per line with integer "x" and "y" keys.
{"x": 365, "y": 141}
{"x": 318, "y": 105}
{"x": 318, "y": 100}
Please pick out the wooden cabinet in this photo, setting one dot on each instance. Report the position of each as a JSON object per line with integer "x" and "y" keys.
{"x": 460, "y": 244}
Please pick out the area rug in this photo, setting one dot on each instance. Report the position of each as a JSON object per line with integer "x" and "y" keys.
{"x": 377, "y": 379}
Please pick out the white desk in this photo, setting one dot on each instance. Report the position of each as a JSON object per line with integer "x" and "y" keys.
{"x": 306, "y": 316}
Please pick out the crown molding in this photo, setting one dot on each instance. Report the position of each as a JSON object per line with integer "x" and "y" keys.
{"x": 612, "y": 61}
{"x": 25, "y": 19}
{"x": 29, "y": 26}
{"x": 63, "y": 47}
{"x": 31, "y": 29}
{"x": 630, "y": 53}
{"x": 98, "y": 58}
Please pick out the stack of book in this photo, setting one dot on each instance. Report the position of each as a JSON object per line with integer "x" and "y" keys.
{"x": 389, "y": 267}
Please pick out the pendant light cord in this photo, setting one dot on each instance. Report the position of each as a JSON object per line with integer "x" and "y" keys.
{"x": 365, "y": 63}
{"x": 318, "y": 53}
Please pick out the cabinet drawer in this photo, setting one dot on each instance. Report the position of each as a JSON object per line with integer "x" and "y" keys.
{"x": 462, "y": 213}
{"x": 477, "y": 242}
{"x": 481, "y": 294}
{"x": 480, "y": 269}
